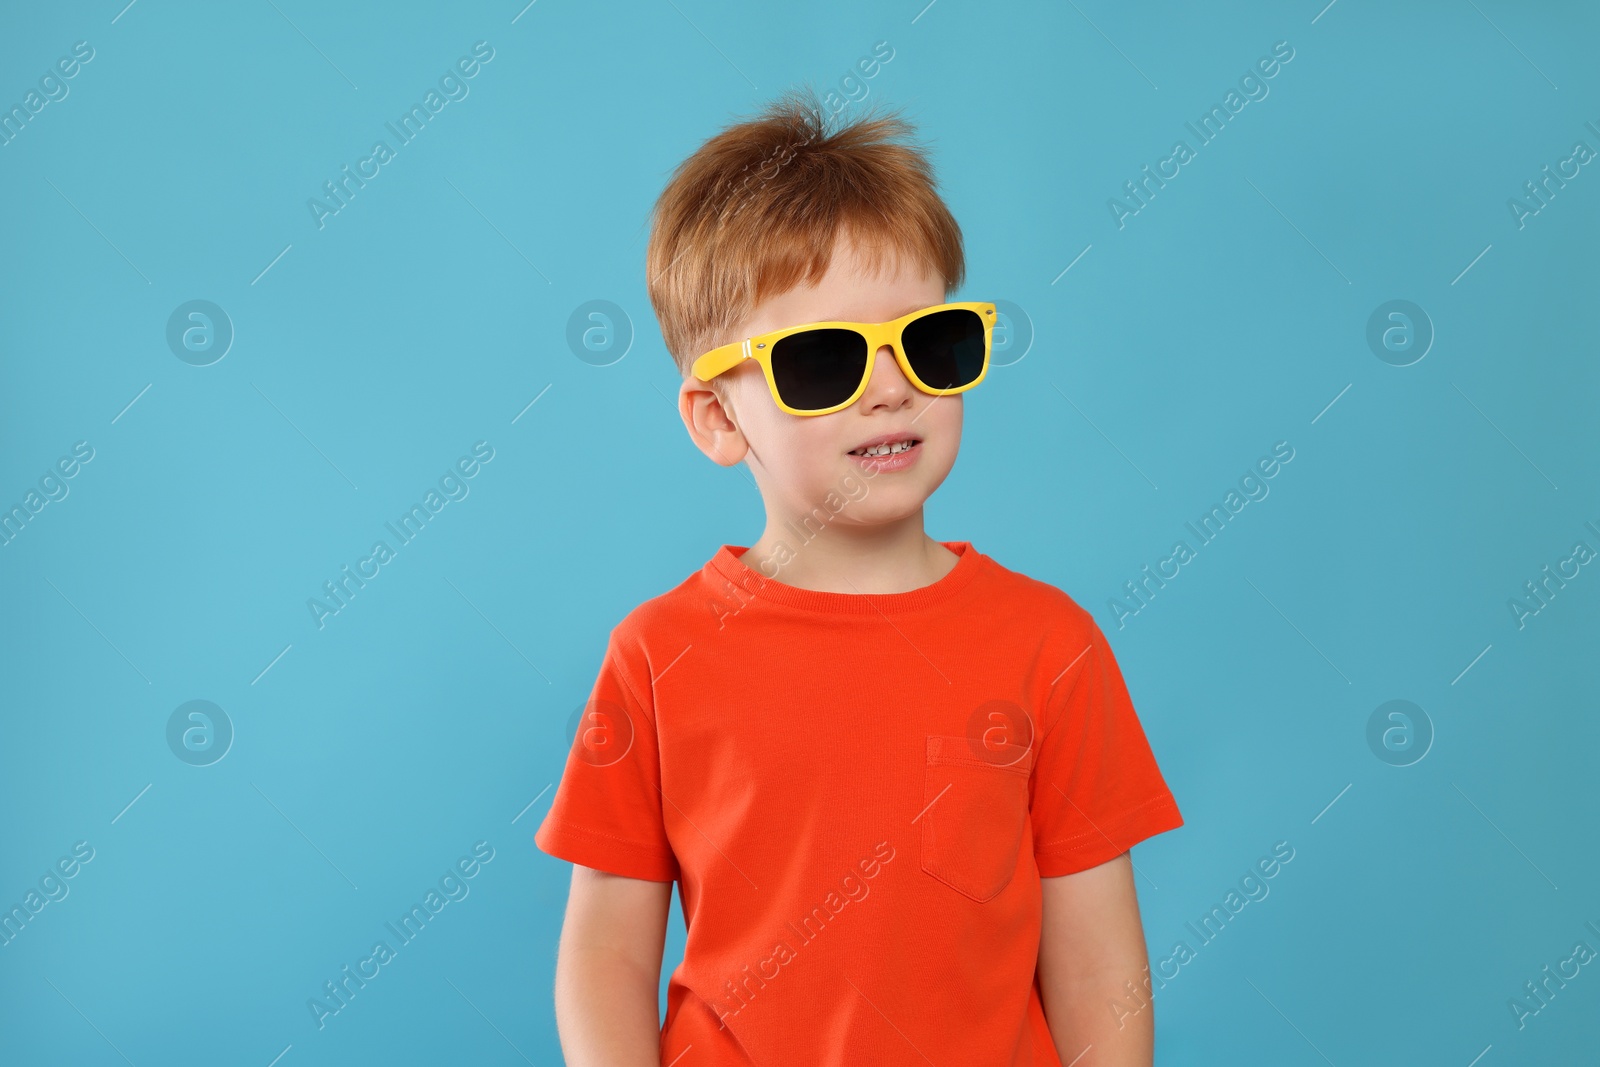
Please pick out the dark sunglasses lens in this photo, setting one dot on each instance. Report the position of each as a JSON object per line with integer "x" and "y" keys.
{"x": 818, "y": 368}
{"x": 946, "y": 347}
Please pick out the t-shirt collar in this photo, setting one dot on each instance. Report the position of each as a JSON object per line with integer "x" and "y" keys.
{"x": 728, "y": 565}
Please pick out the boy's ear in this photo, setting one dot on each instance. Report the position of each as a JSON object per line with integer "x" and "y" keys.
{"x": 709, "y": 422}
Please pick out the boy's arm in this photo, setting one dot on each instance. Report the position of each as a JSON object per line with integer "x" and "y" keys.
{"x": 608, "y": 970}
{"x": 1092, "y": 942}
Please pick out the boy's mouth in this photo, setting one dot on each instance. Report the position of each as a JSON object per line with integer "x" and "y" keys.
{"x": 886, "y": 445}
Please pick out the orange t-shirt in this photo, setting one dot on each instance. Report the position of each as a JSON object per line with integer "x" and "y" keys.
{"x": 858, "y": 795}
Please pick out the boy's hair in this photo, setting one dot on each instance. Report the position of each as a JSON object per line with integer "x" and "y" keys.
{"x": 757, "y": 209}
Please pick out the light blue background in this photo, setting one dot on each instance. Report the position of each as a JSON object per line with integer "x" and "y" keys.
{"x": 1227, "y": 315}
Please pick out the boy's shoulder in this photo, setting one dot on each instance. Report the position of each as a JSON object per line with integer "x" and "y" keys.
{"x": 1044, "y": 601}
{"x": 670, "y": 611}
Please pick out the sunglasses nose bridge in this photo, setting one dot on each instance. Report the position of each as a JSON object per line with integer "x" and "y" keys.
{"x": 879, "y": 339}
{"x": 882, "y": 336}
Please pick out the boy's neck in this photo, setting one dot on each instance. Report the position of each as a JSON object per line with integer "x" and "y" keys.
{"x": 892, "y": 558}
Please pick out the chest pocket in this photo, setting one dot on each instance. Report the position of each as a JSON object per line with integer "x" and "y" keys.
{"x": 975, "y": 812}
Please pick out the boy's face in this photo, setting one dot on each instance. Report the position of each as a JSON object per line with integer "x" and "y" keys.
{"x": 798, "y": 460}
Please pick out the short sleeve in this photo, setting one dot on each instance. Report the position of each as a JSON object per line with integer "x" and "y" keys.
{"x": 1097, "y": 790}
{"x": 606, "y": 813}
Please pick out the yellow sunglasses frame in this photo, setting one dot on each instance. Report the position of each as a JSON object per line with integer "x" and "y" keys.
{"x": 722, "y": 359}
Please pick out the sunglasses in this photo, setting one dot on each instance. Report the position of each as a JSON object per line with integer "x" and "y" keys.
{"x": 823, "y": 367}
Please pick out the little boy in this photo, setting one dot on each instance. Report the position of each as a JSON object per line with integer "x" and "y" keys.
{"x": 895, "y": 781}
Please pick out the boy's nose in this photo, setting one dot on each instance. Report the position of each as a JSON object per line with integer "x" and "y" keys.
{"x": 888, "y": 385}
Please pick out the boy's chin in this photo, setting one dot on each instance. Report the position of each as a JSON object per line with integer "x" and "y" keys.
{"x": 882, "y": 509}
{"x": 856, "y": 500}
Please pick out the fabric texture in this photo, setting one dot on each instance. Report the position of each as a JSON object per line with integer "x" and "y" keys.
{"x": 858, "y": 795}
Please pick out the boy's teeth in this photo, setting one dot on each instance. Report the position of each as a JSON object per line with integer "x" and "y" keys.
{"x": 884, "y": 450}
